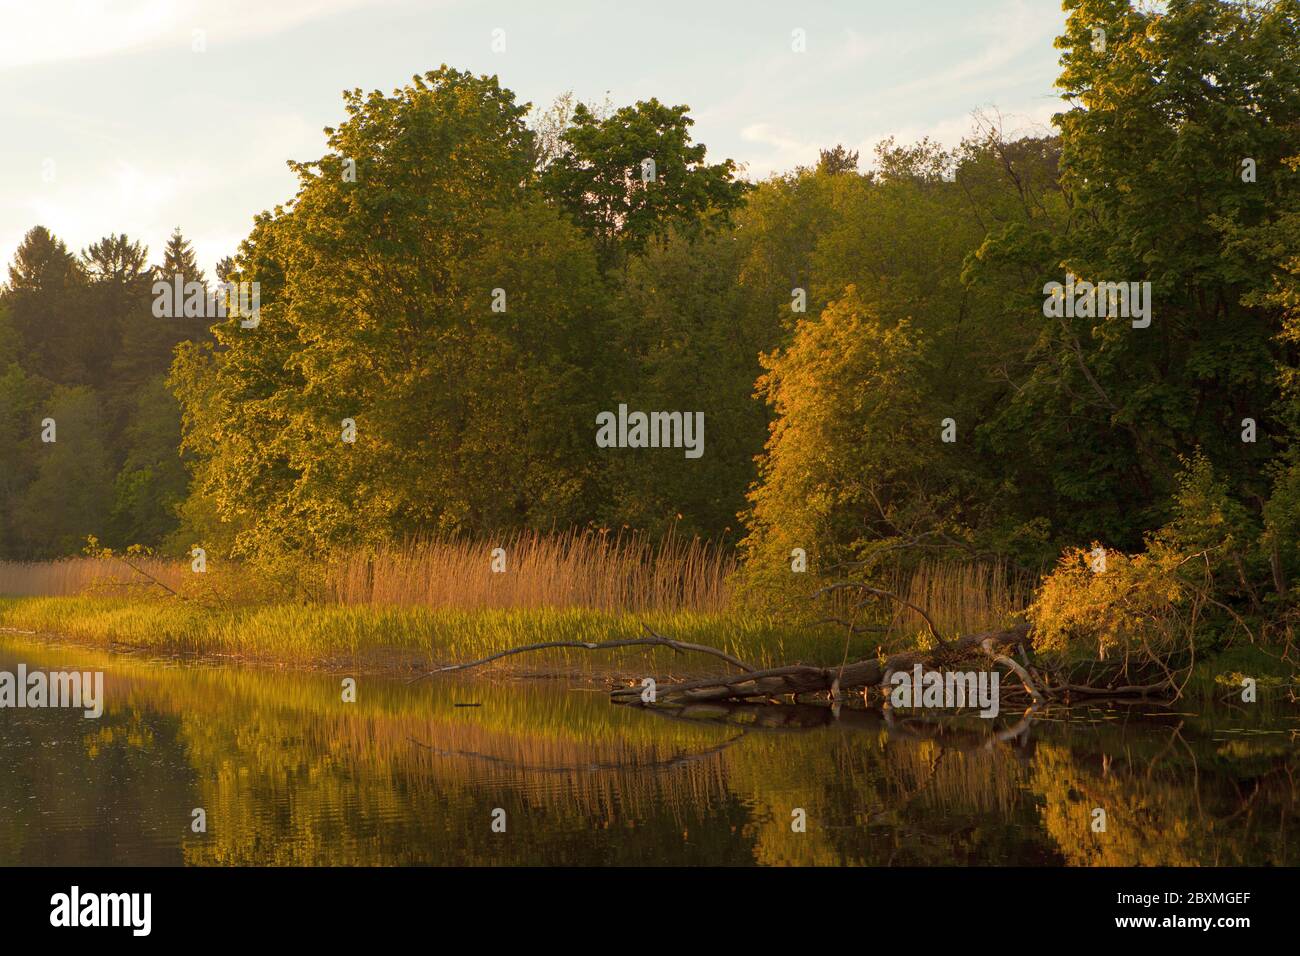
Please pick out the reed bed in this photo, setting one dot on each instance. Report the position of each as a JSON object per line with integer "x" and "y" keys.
{"x": 438, "y": 601}
{"x": 582, "y": 569}
{"x": 962, "y": 597}
{"x": 588, "y": 570}
{"x": 69, "y": 577}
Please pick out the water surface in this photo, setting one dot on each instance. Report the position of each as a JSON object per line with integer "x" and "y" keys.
{"x": 288, "y": 773}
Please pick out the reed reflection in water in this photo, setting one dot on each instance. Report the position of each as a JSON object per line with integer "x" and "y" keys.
{"x": 289, "y": 774}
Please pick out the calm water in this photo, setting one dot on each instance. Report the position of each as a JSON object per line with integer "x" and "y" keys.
{"x": 289, "y": 774}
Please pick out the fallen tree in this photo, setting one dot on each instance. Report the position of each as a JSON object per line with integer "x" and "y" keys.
{"x": 799, "y": 679}
{"x": 868, "y": 678}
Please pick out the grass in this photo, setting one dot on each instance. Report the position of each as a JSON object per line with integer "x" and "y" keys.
{"x": 415, "y": 637}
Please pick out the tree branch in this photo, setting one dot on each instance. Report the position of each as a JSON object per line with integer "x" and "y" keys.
{"x": 654, "y": 640}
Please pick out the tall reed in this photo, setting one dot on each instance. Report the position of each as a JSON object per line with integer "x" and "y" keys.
{"x": 585, "y": 569}
{"x": 580, "y": 569}
{"x": 72, "y": 576}
{"x": 962, "y": 597}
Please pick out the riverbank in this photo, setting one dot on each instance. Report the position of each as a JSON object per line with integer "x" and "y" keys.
{"x": 405, "y": 641}
{"x": 410, "y": 640}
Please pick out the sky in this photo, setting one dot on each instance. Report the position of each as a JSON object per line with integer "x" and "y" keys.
{"x": 112, "y": 121}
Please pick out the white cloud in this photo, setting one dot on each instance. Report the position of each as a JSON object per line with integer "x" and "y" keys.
{"x": 50, "y": 31}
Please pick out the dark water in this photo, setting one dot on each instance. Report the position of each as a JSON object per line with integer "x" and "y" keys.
{"x": 289, "y": 774}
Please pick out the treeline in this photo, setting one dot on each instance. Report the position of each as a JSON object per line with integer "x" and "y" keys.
{"x": 872, "y": 350}
{"x": 90, "y": 431}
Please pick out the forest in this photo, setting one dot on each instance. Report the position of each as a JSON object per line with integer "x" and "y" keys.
{"x": 463, "y": 285}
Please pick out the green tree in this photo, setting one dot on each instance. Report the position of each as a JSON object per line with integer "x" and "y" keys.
{"x": 152, "y": 481}
{"x": 118, "y": 298}
{"x": 852, "y": 430}
{"x": 22, "y": 399}
{"x": 837, "y": 159}
{"x": 377, "y": 305}
{"x": 71, "y": 490}
{"x": 635, "y": 175}
{"x": 46, "y": 299}
{"x": 1158, "y": 124}
{"x": 687, "y": 342}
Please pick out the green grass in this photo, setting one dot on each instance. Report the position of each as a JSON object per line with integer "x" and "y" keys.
{"x": 417, "y": 637}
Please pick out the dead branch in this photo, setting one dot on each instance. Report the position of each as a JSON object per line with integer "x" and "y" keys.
{"x": 654, "y": 640}
{"x": 145, "y": 574}
{"x": 881, "y": 593}
{"x": 987, "y": 647}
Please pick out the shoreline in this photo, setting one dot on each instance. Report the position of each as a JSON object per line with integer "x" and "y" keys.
{"x": 406, "y": 642}
{"x": 393, "y": 666}
{"x": 396, "y": 641}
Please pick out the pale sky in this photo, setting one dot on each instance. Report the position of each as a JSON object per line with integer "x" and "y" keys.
{"x": 113, "y": 123}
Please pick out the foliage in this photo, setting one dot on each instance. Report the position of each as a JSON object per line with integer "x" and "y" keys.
{"x": 598, "y": 177}
{"x": 377, "y": 303}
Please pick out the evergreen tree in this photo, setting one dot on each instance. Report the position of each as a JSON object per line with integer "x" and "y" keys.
{"x": 46, "y": 300}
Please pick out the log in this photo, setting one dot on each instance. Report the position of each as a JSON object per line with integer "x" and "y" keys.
{"x": 794, "y": 680}
{"x": 799, "y": 679}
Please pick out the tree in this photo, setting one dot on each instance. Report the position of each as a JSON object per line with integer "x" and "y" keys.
{"x": 852, "y": 435}
{"x": 152, "y": 481}
{"x": 68, "y": 498}
{"x": 635, "y": 175}
{"x": 118, "y": 297}
{"x": 179, "y": 260}
{"x": 148, "y": 340}
{"x": 22, "y": 399}
{"x": 837, "y": 159}
{"x": 116, "y": 259}
{"x": 46, "y": 304}
{"x": 687, "y": 342}
{"x": 1158, "y": 123}
{"x": 900, "y": 240}
{"x": 438, "y": 303}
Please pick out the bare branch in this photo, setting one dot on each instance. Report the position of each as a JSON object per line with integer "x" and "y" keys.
{"x": 654, "y": 640}
{"x": 881, "y": 593}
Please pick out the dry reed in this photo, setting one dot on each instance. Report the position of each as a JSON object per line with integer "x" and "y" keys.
{"x": 963, "y": 597}
{"x": 582, "y": 569}
{"x": 576, "y": 570}
{"x": 81, "y": 576}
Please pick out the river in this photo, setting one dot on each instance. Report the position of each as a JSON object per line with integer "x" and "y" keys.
{"x": 499, "y": 771}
